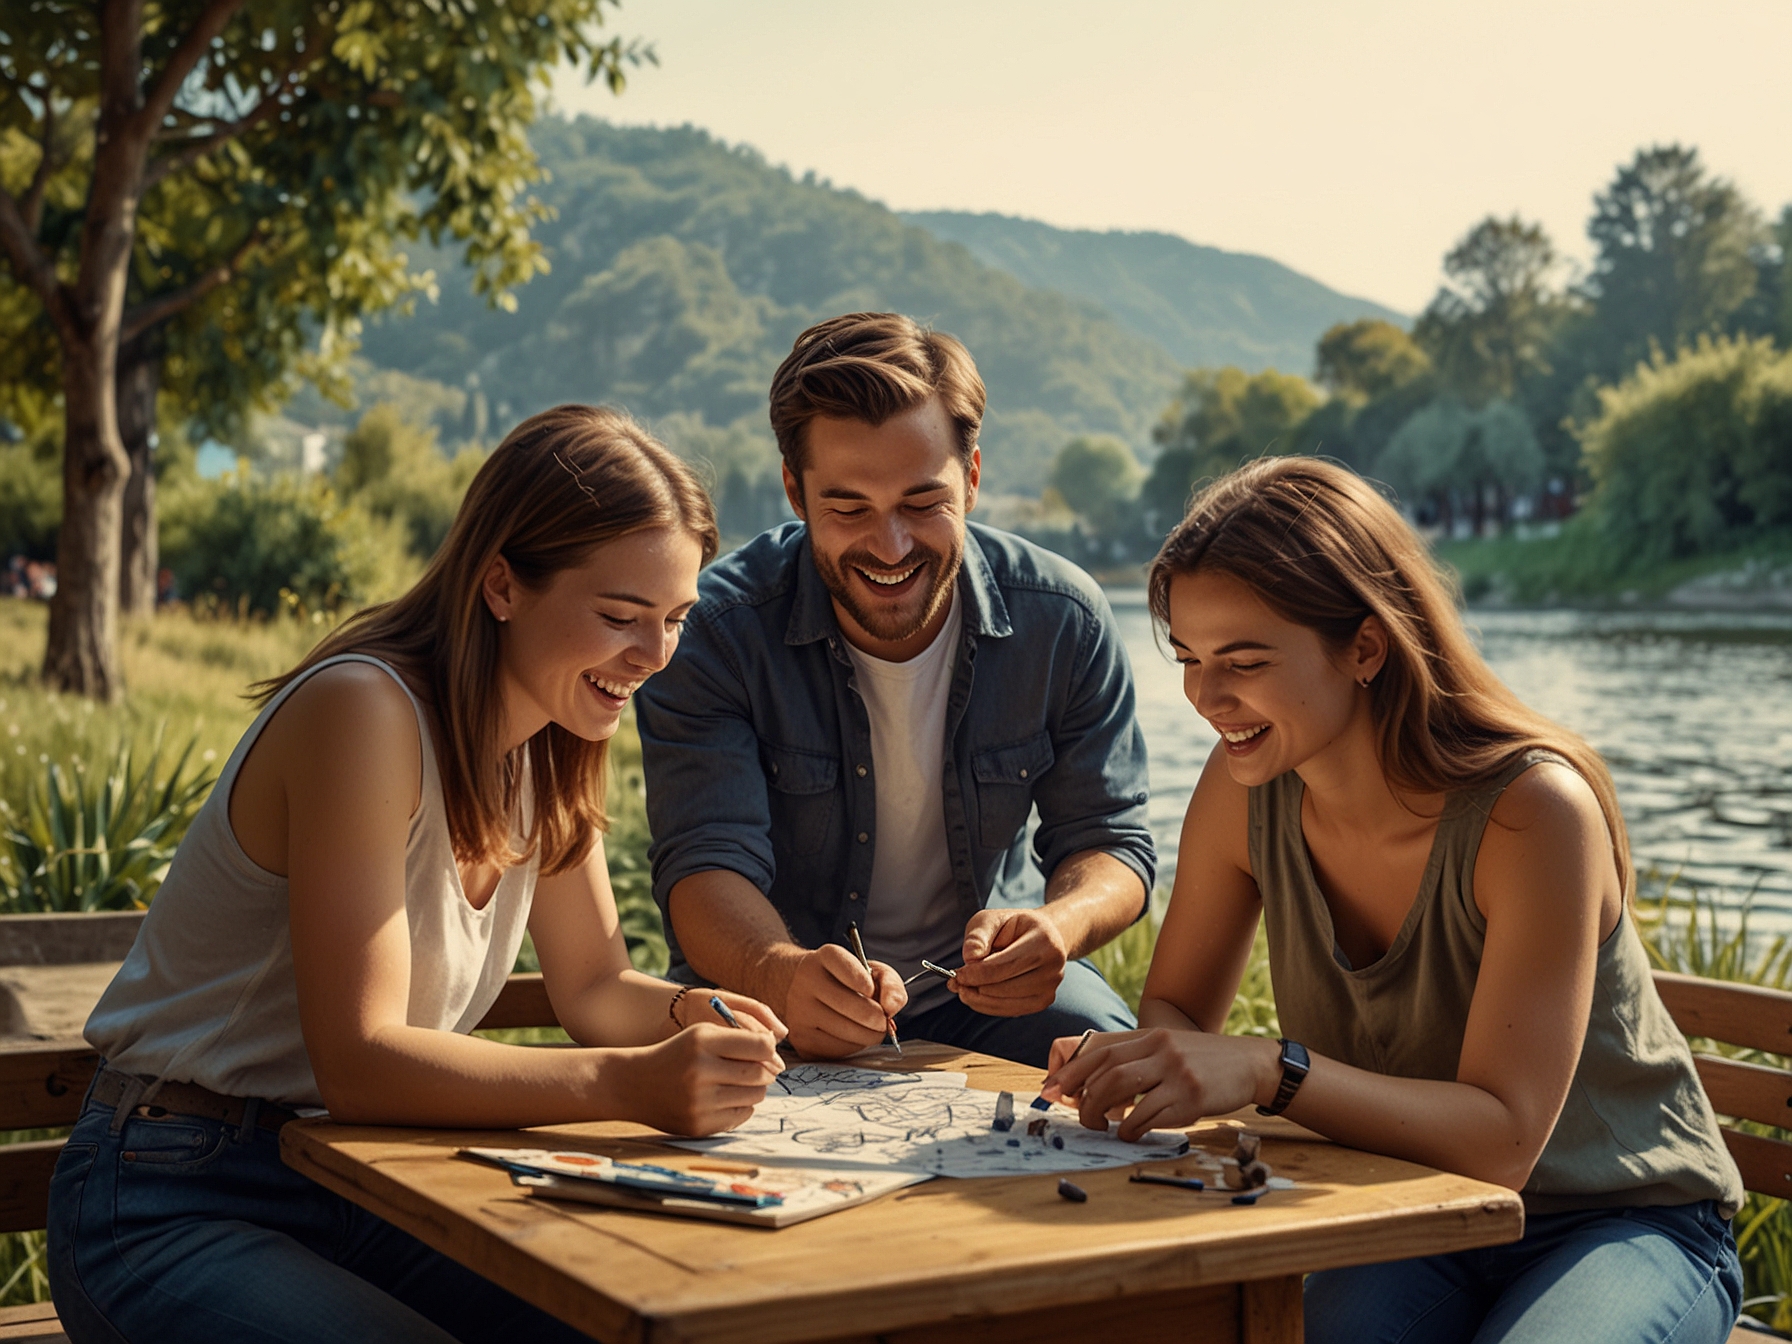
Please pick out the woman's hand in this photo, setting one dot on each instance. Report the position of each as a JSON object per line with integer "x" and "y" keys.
{"x": 1160, "y": 1079}
{"x": 694, "y": 1010}
{"x": 704, "y": 1080}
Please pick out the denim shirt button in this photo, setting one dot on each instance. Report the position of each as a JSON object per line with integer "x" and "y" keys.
{"x": 1023, "y": 773}
{"x": 864, "y": 836}
{"x": 860, "y": 771}
{"x": 852, "y": 895}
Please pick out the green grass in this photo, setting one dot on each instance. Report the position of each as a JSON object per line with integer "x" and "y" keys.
{"x": 1576, "y": 565}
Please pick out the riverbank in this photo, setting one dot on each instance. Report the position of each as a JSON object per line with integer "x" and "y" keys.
{"x": 1573, "y": 568}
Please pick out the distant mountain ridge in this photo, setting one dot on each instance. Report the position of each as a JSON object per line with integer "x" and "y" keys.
{"x": 1204, "y": 305}
{"x": 684, "y": 267}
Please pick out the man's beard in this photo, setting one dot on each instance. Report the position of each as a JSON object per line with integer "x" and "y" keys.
{"x": 892, "y": 625}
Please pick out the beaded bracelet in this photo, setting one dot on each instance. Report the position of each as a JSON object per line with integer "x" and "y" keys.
{"x": 672, "y": 1007}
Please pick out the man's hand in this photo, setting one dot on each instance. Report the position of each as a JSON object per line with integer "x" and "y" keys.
{"x": 835, "y": 1007}
{"x": 1013, "y": 962}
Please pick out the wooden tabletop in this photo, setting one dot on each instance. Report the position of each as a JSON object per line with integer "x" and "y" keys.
{"x": 960, "y": 1259}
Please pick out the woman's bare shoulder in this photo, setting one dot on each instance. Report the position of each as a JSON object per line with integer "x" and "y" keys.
{"x": 351, "y": 715}
{"x": 1550, "y": 799}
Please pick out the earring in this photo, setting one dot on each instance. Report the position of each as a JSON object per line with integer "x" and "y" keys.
{"x": 1364, "y": 682}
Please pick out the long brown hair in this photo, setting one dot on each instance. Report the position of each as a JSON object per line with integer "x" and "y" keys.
{"x": 1324, "y": 550}
{"x": 563, "y": 482}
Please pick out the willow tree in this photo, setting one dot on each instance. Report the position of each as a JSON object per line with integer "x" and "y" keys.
{"x": 226, "y": 186}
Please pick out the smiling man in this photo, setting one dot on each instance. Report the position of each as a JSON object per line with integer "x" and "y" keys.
{"x": 865, "y": 708}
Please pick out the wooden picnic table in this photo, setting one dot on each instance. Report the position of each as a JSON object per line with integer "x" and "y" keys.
{"x": 948, "y": 1260}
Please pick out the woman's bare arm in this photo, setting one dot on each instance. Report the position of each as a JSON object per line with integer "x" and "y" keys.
{"x": 344, "y": 752}
{"x": 1546, "y": 885}
{"x": 1205, "y": 942}
{"x": 597, "y": 995}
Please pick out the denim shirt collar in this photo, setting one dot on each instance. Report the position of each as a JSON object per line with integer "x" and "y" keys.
{"x": 812, "y": 611}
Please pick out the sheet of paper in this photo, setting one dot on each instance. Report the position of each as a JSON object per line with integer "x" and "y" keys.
{"x": 806, "y": 1192}
{"x": 839, "y": 1116}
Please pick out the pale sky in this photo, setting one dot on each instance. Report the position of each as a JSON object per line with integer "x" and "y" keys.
{"x": 1354, "y": 140}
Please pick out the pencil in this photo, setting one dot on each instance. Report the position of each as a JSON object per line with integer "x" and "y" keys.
{"x": 1039, "y": 1102}
{"x": 858, "y": 947}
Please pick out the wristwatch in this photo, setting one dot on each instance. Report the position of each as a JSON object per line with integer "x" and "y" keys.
{"x": 1295, "y": 1063}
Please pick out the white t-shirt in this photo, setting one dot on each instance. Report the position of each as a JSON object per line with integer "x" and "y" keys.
{"x": 912, "y": 910}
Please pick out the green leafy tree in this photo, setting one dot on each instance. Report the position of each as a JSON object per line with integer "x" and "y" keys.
{"x": 1491, "y": 325}
{"x": 215, "y": 181}
{"x": 1099, "y": 478}
{"x": 1455, "y": 462}
{"x": 1219, "y": 418}
{"x": 1691, "y": 451}
{"x": 1675, "y": 256}
{"x": 1363, "y": 360}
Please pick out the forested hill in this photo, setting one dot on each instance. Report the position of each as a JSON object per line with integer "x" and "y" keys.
{"x": 1205, "y": 306}
{"x": 683, "y": 268}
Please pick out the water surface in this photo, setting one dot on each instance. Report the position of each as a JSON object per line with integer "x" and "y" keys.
{"x": 1692, "y": 710}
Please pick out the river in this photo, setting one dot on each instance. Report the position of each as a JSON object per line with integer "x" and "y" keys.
{"x": 1692, "y": 710}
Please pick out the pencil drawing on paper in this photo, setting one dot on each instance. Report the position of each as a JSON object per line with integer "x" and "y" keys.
{"x": 920, "y": 1121}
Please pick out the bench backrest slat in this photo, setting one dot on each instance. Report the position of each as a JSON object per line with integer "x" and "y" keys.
{"x": 1756, "y": 1019}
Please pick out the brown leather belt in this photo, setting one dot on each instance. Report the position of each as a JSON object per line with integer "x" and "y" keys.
{"x": 112, "y": 1085}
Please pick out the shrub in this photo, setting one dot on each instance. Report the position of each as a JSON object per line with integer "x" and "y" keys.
{"x": 1690, "y": 454}
{"x": 243, "y": 542}
{"x": 395, "y": 471}
{"x": 30, "y": 499}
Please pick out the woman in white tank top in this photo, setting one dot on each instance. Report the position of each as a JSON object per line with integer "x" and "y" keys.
{"x": 424, "y": 787}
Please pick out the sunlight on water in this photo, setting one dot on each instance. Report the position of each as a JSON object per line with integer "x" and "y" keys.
{"x": 1693, "y": 711}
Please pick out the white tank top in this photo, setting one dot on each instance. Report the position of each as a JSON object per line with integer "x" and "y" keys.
{"x": 207, "y": 994}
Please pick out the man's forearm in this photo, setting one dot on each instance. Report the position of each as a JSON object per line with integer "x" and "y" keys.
{"x": 731, "y": 935}
{"x": 1092, "y": 897}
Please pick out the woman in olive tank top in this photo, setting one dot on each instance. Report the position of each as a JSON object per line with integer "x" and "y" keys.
{"x": 1444, "y": 879}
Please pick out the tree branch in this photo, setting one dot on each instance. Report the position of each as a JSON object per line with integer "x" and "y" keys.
{"x": 31, "y": 208}
{"x": 153, "y": 311}
{"x": 194, "y": 148}
{"x": 34, "y": 268}
{"x": 187, "y": 55}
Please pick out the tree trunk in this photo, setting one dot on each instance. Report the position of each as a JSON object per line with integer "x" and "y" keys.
{"x": 82, "y": 655}
{"x": 139, "y": 379}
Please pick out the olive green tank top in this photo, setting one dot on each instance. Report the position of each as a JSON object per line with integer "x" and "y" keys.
{"x": 1636, "y": 1128}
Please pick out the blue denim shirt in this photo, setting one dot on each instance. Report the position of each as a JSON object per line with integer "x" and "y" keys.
{"x": 757, "y": 746}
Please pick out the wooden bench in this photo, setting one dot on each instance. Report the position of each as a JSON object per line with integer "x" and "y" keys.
{"x": 1755, "y": 1019}
{"x": 42, "y": 1084}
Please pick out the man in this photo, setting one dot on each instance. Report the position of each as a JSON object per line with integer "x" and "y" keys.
{"x": 866, "y": 706}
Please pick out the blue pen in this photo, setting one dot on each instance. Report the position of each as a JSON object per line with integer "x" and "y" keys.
{"x": 715, "y": 1001}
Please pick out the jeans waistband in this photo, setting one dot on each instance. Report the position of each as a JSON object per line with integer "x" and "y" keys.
{"x": 113, "y": 1086}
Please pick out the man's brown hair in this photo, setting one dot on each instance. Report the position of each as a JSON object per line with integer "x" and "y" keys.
{"x": 869, "y": 367}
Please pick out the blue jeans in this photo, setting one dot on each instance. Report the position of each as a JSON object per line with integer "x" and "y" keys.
{"x": 1631, "y": 1276}
{"x": 188, "y": 1229}
{"x": 1084, "y": 1000}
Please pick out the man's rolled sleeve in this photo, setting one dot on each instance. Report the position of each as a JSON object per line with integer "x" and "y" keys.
{"x": 1096, "y": 793}
{"x": 706, "y": 794}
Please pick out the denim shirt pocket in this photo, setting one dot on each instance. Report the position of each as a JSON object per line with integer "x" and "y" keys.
{"x": 800, "y": 791}
{"x": 1006, "y": 777}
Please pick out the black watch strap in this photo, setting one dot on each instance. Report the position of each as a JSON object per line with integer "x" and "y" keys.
{"x": 1295, "y": 1063}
